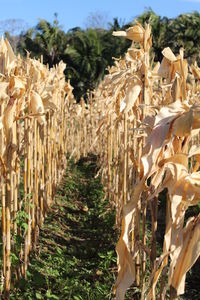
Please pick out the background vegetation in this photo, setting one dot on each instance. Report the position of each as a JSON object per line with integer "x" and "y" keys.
{"x": 87, "y": 52}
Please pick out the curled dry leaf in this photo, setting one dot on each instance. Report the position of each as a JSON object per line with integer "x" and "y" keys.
{"x": 135, "y": 33}
{"x": 189, "y": 187}
{"x": 160, "y": 135}
{"x": 182, "y": 125}
{"x": 147, "y": 38}
{"x": 175, "y": 175}
{"x": 156, "y": 68}
{"x": 36, "y": 106}
{"x": 126, "y": 267}
{"x": 1, "y": 122}
{"x": 9, "y": 118}
{"x": 3, "y": 91}
{"x": 194, "y": 150}
{"x": 188, "y": 253}
{"x": 122, "y": 106}
{"x": 135, "y": 54}
{"x": 16, "y": 87}
{"x": 49, "y": 105}
{"x": 11, "y": 54}
{"x": 171, "y": 66}
{"x": 195, "y": 71}
{"x": 181, "y": 67}
{"x": 176, "y": 91}
{"x": 184, "y": 190}
{"x": 196, "y": 118}
{"x": 132, "y": 94}
{"x": 168, "y": 54}
{"x": 164, "y": 68}
{"x": 78, "y": 110}
{"x": 178, "y": 158}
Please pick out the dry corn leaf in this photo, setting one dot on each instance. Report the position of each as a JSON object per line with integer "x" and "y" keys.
{"x": 3, "y": 96}
{"x": 132, "y": 94}
{"x": 188, "y": 254}
{"x": 3, "y": 48}
{"x": 160, "y": 135}
{"x": 11, "y": 54}
{"x": 171, "y": 65}
{"x": 196, "y": 117}
{"x": 172, "y": 173}
{"x": 21, "y": 105}
{"x": 9, "y": 118}
{"x": 177, "y": 218}
{"x": 78, "y": 110}
{"x": 189, "y": 188}
{"x": 167, "y": 53}
{"x": 36, "y": 106}
{"x": 169, "y": 174}
{"x": 164, "y": 68}
{"x": 176, "y": 90}
{"x": 3, "y": 90}
{"x": 180, "y": 67}
{"x": 4, "y": 86}
{"x": 135, "y": 54}
{"x": 147, "y": 38}
{"x": 155, "y": 276}
{"x": 195, "y": 71}
{"x": 122, "y": 106}
{"x": 177, "y": 171}
{"x": 60, "y": 69}
{"x": 156, "y": 140}
{"x": 184, "y": 190}
{"x": 194, "y": 150}
{"x": 3, "y": 51}
{"x": 16, "y": 87}
{"x": 135, "y": 33}
{"x": 49, "y": 105}
{"x": 126, "y": 268}
{"x": 182, "y": 125}
{"x": 185, "y": 68}
{"x": 156, "y": 68}
{"x": 1, "y": 122}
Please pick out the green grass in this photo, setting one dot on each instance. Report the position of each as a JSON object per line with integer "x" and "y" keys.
{"x": 75, "y": 257}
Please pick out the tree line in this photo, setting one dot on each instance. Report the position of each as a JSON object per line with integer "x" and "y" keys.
{"x": 88, "y": 52}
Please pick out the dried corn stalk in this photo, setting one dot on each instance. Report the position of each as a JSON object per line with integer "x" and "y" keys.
{"x": 144, "y": 122}
{"x": 33, "y": 151}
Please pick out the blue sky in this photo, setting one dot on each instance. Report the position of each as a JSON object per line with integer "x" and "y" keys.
{"x": 72, "y": 13}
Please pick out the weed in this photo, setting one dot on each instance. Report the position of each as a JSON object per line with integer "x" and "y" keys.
{"x": 76, "y": 256}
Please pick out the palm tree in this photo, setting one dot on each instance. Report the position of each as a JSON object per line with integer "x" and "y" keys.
{"x": 184, "y": 31}
{"x": 159, "y": 27}
{"x": 112, "y": 46}
{"x": 85, "y": 64}
{"x": 45, "y": 39}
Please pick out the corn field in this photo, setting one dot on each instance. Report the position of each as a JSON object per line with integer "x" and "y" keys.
{"x": 33, "y": 136}
{"x": 143, "y": 122}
